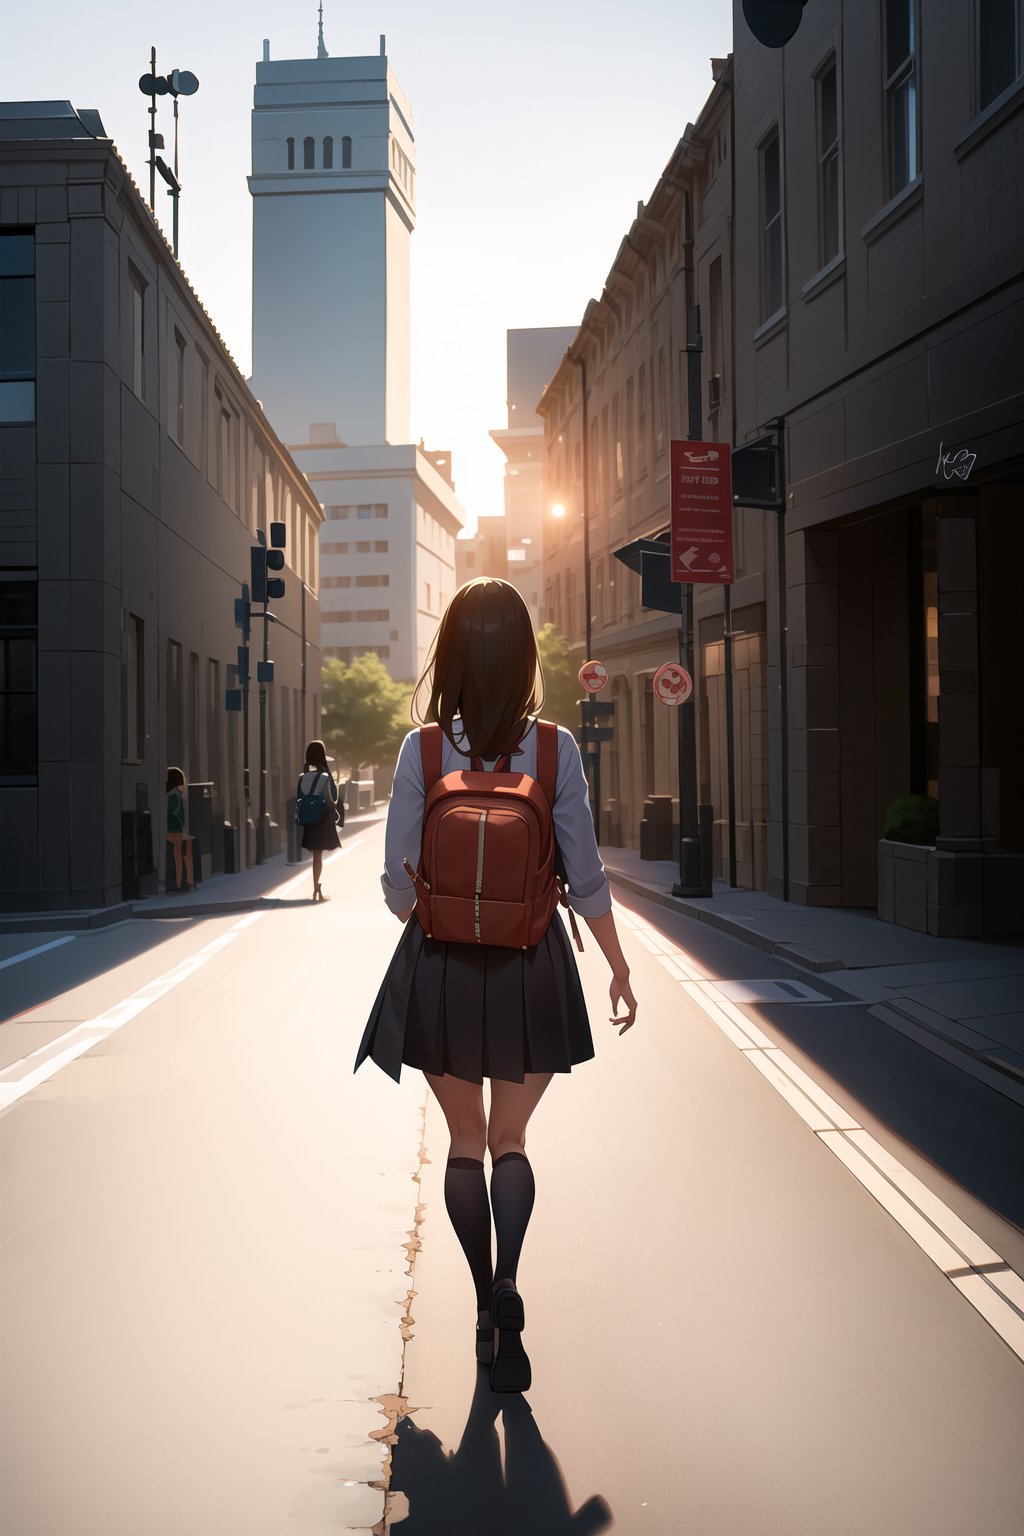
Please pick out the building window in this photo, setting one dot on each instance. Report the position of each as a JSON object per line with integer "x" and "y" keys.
{"x": 380, "y": 546}
{"x": 204, "y": 420}
{"x": 362, "y": 513}
{"x": 630, "y": 455}
{"x": 179, "y": 387}
{"x": 346, "y": 153}
{"x": 373, "y": 615}
{"x": 828, "y": 165}
{"x": 19, "y": 727}
{"x": 174, "y": 704}
{"x": 641, "y": 420}
{"x": 214, "y": 715}
{"x": 373, "y": 581}
{"x": 717, "y": 335}
{"x": 393, "y": 635}
{"x": 900, "y": 93}
{"x": 999, "y": 47}
{"x": 291, "y": 154}
{"x": 363, "y": 546}
{"x": 328, "y": 154}
{"x": 192, "y": 771}
{"x": 307, "y": 154}
{"x": 17, "y": 327}
{"x": 137, "y": 330}
{"x": 771, "y": 226}
{"x": 342, "y": 617}
{"x": 226, "y": 455}
{"x": 662, "y": 404}
{"x": 133, "y": 686}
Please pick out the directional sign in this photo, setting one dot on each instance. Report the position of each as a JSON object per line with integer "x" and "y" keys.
{"x": 702, "y": 512}
{"x": 597, "y": 709}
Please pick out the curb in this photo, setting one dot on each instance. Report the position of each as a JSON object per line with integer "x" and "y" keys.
{"x": 799, "y": 954}
{"x": 49, "y": 922}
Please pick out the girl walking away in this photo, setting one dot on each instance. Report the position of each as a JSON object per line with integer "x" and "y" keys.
{"x": 319, "y": 836}
{"x": 174, "y": 789}
{"x": 488, "y": 804}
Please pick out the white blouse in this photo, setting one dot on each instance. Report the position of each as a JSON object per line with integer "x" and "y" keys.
{"x": 589, "y": 894}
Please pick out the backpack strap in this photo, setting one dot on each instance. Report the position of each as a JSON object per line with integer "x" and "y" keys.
{"x": 430, "y": 755}
{"x": 547, "y": 758}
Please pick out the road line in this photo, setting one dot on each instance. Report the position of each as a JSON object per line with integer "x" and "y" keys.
{"x": 40, "y": 1065}
{"x": 40, "y": 949}
{"x": 979, "y": 1273}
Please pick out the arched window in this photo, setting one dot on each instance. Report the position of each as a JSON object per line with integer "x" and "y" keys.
{"x": 291, "y": 154}
{"x": 307, "y": 154}
{"x": 328, "y": 154}
{"x": 346, "y": 153}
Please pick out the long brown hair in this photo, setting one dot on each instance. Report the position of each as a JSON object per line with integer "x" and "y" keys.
{"x": 484, "y": 666}
{"x": 316, "y": 756}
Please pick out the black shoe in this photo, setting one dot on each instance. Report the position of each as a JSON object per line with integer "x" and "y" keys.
{"x": 484, "y": 1343}
{"x": 510, "y": 1369}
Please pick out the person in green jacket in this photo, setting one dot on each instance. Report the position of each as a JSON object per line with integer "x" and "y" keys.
{"x": 175, "y": 792}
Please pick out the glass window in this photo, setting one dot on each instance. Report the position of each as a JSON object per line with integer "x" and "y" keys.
{"x": 137, "y": 330}
{"x": 901, "y": 93}
{"x": 828, "y": 166}
{"x": 133, "y": 697}
{"x": 19, "y": 730}
{"x": 771, "y": 227}
{"x": 17, "y": 327}
{"x": 179, "y": 387}
{"x": 346, "y": 153}
{"x": 291, "y": 154}
{"x": 307, "y": 154}
{"x": 999, "y": 47}
{"x": 328, "y": 154}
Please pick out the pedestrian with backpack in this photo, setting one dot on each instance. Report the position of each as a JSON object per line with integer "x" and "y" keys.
{"x": 316, "y": 802}
{"x": 489, "y": 805}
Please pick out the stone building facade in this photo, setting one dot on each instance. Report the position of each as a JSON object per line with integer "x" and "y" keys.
{"x": 135, "y": 471}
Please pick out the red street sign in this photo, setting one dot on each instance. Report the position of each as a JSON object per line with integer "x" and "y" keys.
{"x": 593, "y": 675}
{"x": 702, "y": 512}
{"x": 672, "y": 684}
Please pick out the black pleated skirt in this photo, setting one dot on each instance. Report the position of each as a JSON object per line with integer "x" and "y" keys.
{"x": 476, "y": 1010}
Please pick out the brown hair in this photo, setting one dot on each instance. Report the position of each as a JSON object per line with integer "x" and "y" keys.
{"x": 175, "y": 780}
{"x": 484, "y": 666}
{"x": 316, "y": 756}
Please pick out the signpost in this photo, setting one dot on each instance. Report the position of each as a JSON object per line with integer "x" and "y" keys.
{"x": 593, "y": 676}
{"x": 701, "y": 512}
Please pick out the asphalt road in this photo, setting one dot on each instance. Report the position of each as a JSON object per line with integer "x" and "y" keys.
{"x": 231, "y": 1301}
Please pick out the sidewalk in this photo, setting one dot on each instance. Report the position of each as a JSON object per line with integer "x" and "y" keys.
{"x": 961, "y": 998}
{"x": 245, "y": 891}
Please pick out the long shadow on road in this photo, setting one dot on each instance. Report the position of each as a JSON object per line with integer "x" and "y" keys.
{"x": 467, "y": 1493}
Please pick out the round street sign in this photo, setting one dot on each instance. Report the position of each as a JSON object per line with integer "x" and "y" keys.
{"x": 672, "y": 683}
{"x": 593, "y": 676}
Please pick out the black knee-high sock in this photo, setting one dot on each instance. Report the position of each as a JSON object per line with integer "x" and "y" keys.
{"x": 465, "y": 1195}
{"x": 512, "y": 1193}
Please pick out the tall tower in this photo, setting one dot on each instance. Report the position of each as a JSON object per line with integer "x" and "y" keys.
{"x": 333, "y": 186}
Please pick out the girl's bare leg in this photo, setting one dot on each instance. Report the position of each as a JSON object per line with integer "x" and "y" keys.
{"x": 465, "y": 1188}
{"x": 318, "y": 865}
{"x": 175, "y": 843}
{"x": 188, "y": 864}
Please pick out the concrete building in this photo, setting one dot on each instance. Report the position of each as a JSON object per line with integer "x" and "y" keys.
{"x": 533, "y": 355}
{"x": 879, "y": 317}
{"x": 484, "y": 552}
{"x": 630, "y": 352}
{"x": 334, "y": 206}
{"x": 135, "y": 471}
{"x": 858, "y": 217}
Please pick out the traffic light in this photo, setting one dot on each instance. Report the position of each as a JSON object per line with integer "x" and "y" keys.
{"x": 265, "y": 587}
{"x": 275, "y": 558}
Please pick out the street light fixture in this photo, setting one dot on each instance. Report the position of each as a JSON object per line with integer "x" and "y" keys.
{"x": 180, "y": 82}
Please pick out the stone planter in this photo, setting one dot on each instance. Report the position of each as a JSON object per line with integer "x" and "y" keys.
{"x": 903, "y": 883}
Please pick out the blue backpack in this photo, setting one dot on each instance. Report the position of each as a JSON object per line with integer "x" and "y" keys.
{"x": 310, "y": 809}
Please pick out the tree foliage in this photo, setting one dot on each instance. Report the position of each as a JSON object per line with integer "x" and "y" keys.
{"x": 561, "y": 681}
{"x": 365, "y": 712}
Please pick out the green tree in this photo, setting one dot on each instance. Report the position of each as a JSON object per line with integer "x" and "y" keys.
{"x": 561, "y": 680}
{"x": 365, "y": 712}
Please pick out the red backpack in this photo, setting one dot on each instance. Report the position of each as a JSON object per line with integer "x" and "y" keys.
{"x": 487, "y": 870}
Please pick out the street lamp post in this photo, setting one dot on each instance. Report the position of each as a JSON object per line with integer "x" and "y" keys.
{"x": 593, "y": 753}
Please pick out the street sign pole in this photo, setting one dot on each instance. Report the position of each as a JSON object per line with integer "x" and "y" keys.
{"x": 692, "y": 880}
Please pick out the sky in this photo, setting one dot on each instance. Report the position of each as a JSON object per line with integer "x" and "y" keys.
{"x": 539, "y": 126}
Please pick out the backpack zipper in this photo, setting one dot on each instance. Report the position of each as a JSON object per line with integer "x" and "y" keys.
{"x": 481, "y": 826}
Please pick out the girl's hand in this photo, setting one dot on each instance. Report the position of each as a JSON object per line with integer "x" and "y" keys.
{"x": 403, "y": 917}
{"x": 621, "y": 990}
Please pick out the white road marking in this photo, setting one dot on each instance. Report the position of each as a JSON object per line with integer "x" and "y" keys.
{"x": 979, "y": 1273}
{"x": 40, "y": 949}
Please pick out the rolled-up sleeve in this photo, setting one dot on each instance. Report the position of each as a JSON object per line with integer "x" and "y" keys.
{"x": 404, "y": 832}
{"x": 589, "y": 893}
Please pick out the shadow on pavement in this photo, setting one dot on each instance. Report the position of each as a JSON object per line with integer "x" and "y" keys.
{"x": 468, "y": 1493}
